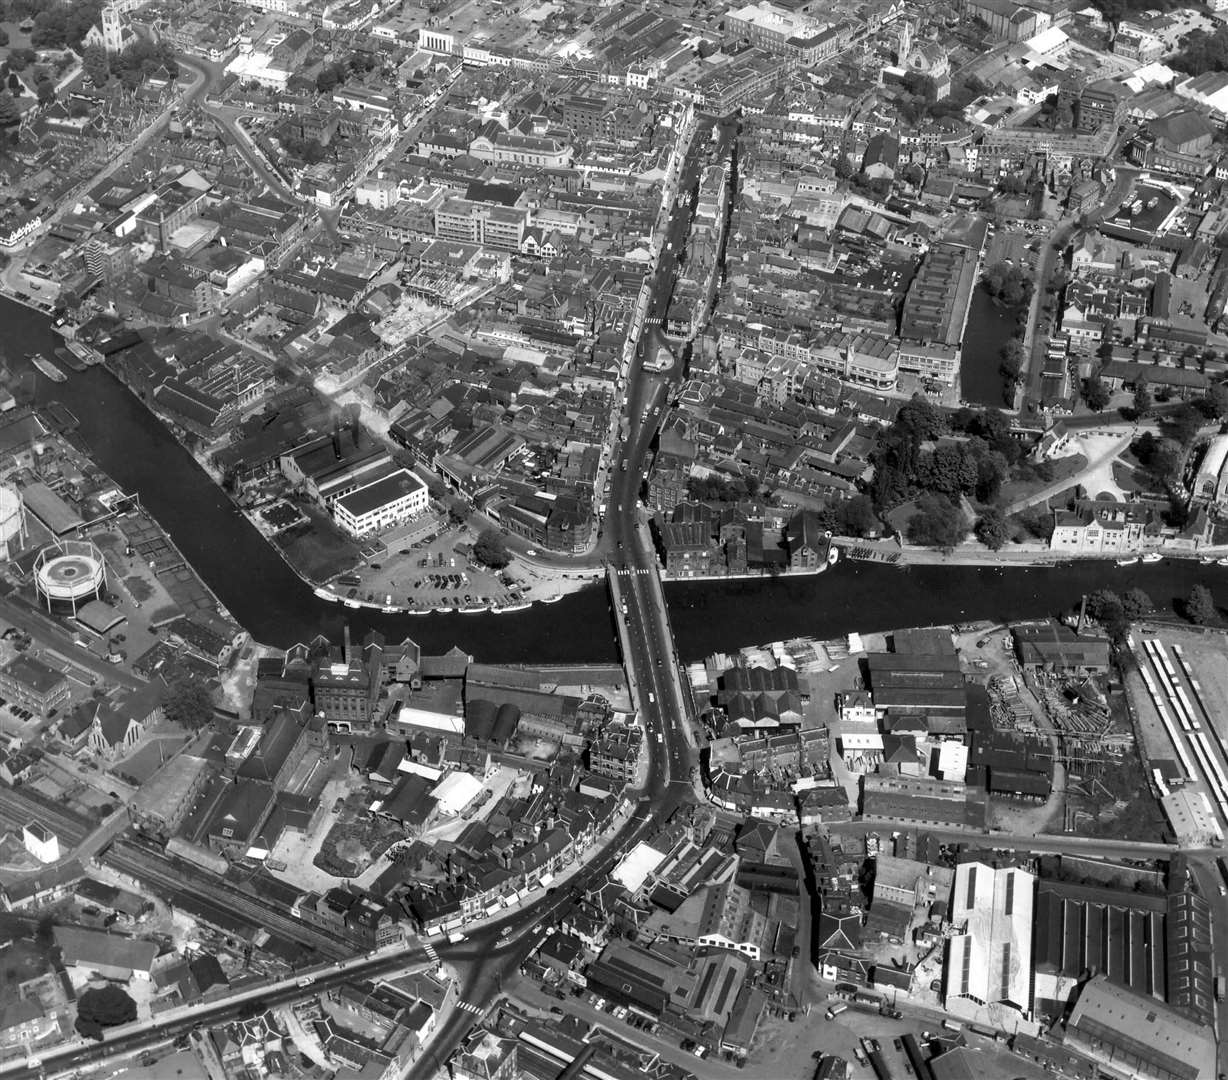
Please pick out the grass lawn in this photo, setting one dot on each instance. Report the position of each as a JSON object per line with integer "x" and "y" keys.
{"x": 320, "y": 550}
{"x": 140, "y": 589}
{"x": 1063, "y": 469}
{"x": 1126, "y": 478}
{"x": 20, "y": 959}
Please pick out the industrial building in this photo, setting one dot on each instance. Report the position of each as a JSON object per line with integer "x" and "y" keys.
{"x": 989, "y": 962}
{"x": 1130, "y": 1035}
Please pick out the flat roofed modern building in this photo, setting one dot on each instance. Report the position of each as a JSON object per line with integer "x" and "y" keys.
{"x": 990, "y": 962}
{"x": 378, "y": 506}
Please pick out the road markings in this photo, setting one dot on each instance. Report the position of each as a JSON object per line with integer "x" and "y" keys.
{"x": 476, "y": 1010}
{"x": 429, "y": 949}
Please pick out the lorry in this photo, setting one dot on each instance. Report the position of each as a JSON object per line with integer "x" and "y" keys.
{"x": 455, "y": 936}
{"x": 835, "y": 1010}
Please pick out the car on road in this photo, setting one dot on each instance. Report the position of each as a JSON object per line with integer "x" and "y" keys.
{"x": 530, "y": 552}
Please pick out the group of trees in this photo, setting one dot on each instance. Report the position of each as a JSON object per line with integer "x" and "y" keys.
{"x": 189, "y": 703}
{"x": 1011, "y": 361}
{"x": 917, "y": 100}
{"x": 1116, "y": 10}
{"x": 851, "y": 517}
{"x": 1008, "y": 284}
{"x": 56, "y": 25}
{"x": 103, "y": 1007}
{"x": 720, "y": 489}
{"x": 1202, "y": 51}
{"x": 910, "y": 463}
{"x": 1115, "y": 612}
{"x": 1057, "y": 112}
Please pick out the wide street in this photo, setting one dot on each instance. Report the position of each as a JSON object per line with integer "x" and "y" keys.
{"x": 649, "y": 658}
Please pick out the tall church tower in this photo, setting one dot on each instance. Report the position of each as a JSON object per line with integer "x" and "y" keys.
{"x": 903, "y": 42}
{"x": 112, "y": 34}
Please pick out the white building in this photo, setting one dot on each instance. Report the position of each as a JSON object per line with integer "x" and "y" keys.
{"x": 989, "y": 959}
{"x": 377, "y": 193}
{"x": 456, "y": 792}
{"x": 380, "y": 505}
{"x": 40, "y": 842}
{"x": 1211, "y": 481}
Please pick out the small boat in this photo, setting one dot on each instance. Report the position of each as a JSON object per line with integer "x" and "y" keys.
{"x": 833, "y": 553}
{"x": 473, "y": 610}
{"x": 444, "y": 610}
{"x": 352, "y": 603}
{"x": 1127, "y": 562}
{"x": 68, "y": 359}
{"x": 390, "y": 610}
{"x": 1152, "y": 557}
{"x": 552, "y": 599}
{"x": 513, "y": 607}
{"x": 1222, "y": 562}
{"x": 1206, "y": 562}
{"x": 47, "y": 368}
{"x": 324, "y": 594}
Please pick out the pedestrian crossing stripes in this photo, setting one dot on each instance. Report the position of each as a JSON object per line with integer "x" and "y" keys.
{"x": 429, "y": 949}
{"x": 629, "y": 570}
{"x": 477, "y": 1010}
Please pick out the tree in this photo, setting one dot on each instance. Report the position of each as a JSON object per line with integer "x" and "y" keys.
{"x": 1185, "y": 424}
{"x": 1142, "y": 398}
{"x": 1009, "y": 284}
{"x": 856, "y": 517}
{"x": 937, "y": 523}
{"x": 491, "y": 549}
{"x": 992, "y": 529}
{"x": 1215, "y": 404}
{"x": 20, "y": 59}
{"x": 189, "y": 703}
{"x": 44, "y": 932}
{"x": 97, "y": 64}
{"x": 101, "y": 1008}
{"x": 458, "y": 511}
{"x": 1095, "y": 394}
{"x": 10, "y": 114}
{"x": 1135, "y": 604}
{"x": 1106, "y": 608}
{"x": 1010, "y": 367}
{"x": 4, "y": 38}
{"x": 1200, "y": 606}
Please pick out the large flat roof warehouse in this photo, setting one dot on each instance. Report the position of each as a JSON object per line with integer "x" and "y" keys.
{"x": 381, "y": 493}
{"x": 50, "y": 509}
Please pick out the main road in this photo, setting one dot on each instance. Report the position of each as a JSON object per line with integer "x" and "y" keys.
{"x": 649, "y": 657}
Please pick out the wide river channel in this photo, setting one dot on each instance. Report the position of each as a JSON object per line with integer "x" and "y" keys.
{"x": 277, "y": 608}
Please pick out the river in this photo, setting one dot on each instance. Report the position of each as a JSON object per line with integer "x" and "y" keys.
{"x": 989, "y": 327}
{"x": 265, "y": 596}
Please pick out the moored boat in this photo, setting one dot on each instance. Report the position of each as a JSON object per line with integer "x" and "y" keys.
{"x": 1152, "y": 557}
{"x": 1127, "y": 562}
{"x": 47, "y": 368}
{"x": 68, "y": 359}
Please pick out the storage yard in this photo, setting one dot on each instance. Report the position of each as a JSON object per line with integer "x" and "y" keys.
{"x": 1179, "y": 695}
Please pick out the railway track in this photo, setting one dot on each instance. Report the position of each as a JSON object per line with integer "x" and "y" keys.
{"x": 157, "y": 870}
{"x": 20, "y": 808}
